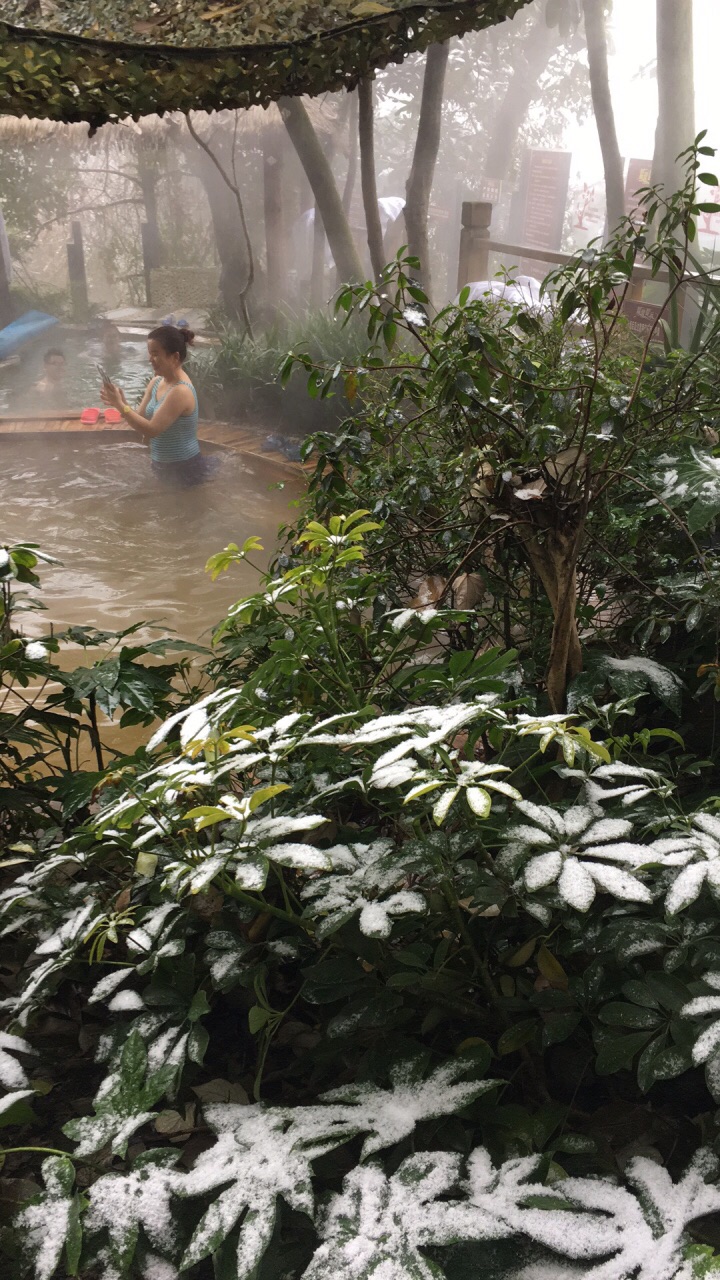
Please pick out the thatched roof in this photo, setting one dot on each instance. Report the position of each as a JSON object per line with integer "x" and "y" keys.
{"x": 96, "y": 60}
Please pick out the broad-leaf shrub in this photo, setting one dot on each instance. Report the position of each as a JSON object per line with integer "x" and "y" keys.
{"x": 384, "y": 891}
{"x": 386, "y": 972}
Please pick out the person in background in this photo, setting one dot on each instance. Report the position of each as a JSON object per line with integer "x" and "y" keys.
{"x": 167, "y": 416}
{"x": 54, "y": 372}
{"x": 111, "y": 340}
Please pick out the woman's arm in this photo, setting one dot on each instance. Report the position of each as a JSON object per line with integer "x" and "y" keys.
{"x": 178, "y": 401}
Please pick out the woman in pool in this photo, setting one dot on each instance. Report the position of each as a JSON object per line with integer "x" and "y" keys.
{"x": 167, "y": 416}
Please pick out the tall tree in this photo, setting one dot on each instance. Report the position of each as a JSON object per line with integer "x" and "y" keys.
{"x": 427, "y": 145}
{"x": 320, "y": 176}
{"x": 676, "y": 89}
{"x": 530, "y": 60}
{"x": 350, "y": 176}
{"x": 274, "y": 141}
{"x": 366, "y": 130}
{"x": 215, "y": 167}
{"x": 596, "y": 36}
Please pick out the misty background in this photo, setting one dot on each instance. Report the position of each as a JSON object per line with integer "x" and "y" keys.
{"x": 226, "y": 210}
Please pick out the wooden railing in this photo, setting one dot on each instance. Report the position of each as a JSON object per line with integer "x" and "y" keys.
{"x": 476, "y": 246}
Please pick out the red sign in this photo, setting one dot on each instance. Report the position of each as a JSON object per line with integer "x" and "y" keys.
{"x": 639, "y": 174}
{"x": 548, "y": 174}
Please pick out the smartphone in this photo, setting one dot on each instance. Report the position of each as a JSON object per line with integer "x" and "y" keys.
{"x": 107, "y": 380}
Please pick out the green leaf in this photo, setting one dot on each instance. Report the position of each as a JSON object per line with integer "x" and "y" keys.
{"x": 264, "y": 794}
{"x": 441, "y": 808}
{"x": 617, "y": 1014}
{"x": 518, "y": 1035}
{"x": 258, "y": 1017}
{"x": 479, "y": 801}
{"x": 617, "y": 1053}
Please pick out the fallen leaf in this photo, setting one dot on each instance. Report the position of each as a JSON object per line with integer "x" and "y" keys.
{"x": 221, "y": 1091}
{"x": 172, "y": 1125}
{"x": 368, "y": 8}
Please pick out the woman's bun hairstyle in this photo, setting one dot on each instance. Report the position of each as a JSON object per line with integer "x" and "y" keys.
{"x": 174, "y": 340}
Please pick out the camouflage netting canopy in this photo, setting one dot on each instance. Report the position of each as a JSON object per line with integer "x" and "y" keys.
{"x": 100, "y": 60}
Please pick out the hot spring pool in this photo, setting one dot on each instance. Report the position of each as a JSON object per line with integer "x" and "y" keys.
{"x": 130, "y": 549}
{"x": 81, "y": 389}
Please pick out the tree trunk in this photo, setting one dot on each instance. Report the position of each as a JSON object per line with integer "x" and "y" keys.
{"x": 595, "y": 35}
{"x": 522, "y": 89}
{"x": 148, "y": 180}
{"x": 276, "y": 258}
{"x": 427, "y": 145}
{"x": 228, "y": 234}
{"x": 353, "y": 141}
{"x": 554, "y": 557}
{"x": 366, "y": 131}
{"x": 317, "y": 278}
{"x": 7, "y": 310}
{"x": 320, "y": 176}
{"x": 676, "y": 90}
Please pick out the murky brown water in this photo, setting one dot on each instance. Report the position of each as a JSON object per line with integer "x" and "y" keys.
{"x": 130, "y": 549}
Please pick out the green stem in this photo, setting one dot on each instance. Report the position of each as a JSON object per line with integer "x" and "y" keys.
{"x": 43, "y": 1151}
{"x": 232, "y": 889}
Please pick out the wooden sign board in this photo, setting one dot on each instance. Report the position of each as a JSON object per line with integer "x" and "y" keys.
{"x": 547, "y": 178}
{"x": 488, "y": 190}
{"x": 642, "y": 318}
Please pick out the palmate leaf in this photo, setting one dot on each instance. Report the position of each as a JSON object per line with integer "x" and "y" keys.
{"x": 50, "y": 1222}
{"x": 259, "y": 1156}
{"x": 123, "y": 1100}
{"x": 123, "y": 1203}
{"x": 392, "y": 1114}
{"x": 378, "y": 1225}
{"x": 366, "y": 880}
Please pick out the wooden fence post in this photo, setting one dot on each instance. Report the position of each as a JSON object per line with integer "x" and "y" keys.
{"x": 78, "y": 278}
{"x": 474, "y": 259}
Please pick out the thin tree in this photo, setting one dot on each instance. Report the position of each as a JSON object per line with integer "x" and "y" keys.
{"x": 320, "y": 176}
{"x": 596, "y": 37}
{"x": 530, "y": 62}
{"x": 235, "y": 251}
{"x": 350, "y": 176}
{"x": 676, "y": 89}
{"x": 366, "y": 131}
{"x": 427, "y": 145}
{"x": 274, "y": 142}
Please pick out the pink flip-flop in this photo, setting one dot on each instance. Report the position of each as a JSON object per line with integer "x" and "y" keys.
{"x": 90, "y": 416}
{"x": 112, "y": 415}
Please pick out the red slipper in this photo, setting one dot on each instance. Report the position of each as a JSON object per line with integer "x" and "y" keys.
{"x": 112, "y": 415}
{"x": 90, "y": 416}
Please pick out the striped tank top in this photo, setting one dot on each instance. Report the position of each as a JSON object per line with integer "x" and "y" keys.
{"x": 179, "y": 442}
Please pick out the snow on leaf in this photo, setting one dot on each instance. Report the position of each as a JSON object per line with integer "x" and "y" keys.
{"x": 122, "y": 1203}
{"x": 579, "y": 850}
{"x": 392, "y": 1114}
{"x": 122, "y": 1101}
{"x": 366, "y": 879}
{"x": 9, "y": 1100}
{"x": 698, "y": 851}
{"x": 51, "y": 1221}
{"x": 259, "y": 1155}
{"x": 375, "y": 1228}
{"x": 12, "y": 1074}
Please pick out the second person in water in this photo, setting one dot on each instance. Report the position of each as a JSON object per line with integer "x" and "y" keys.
{"x": 167, "y": 416}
